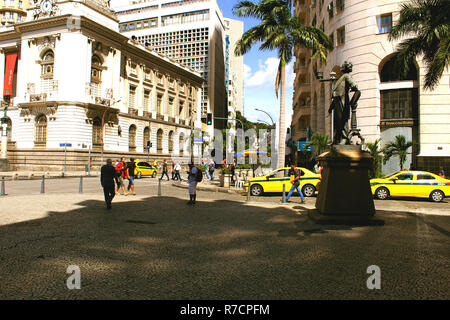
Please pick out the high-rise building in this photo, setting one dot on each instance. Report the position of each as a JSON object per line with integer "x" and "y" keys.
{"x": 192, "y": 32}
{"x": 234, "y": 68}
{"x": 13, "y": 11}
{"x": 389, "y": 105}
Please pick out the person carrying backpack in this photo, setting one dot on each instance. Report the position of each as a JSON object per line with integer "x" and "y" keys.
{"x": 195, "y": 176}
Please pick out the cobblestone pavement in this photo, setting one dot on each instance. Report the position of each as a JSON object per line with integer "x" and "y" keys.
{"x": 150, "y": 247}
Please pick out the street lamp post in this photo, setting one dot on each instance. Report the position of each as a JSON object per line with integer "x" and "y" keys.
{"x": 319, "y": 76}
{"x": 273, "y": 123}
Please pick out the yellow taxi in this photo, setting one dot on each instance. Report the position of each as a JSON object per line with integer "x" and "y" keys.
{"x": 419, "y": 184}
{"x": 274, "y": 181}
{"x": 144, "y": 168}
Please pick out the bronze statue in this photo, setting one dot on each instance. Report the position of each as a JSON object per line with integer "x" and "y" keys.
{"x": 342, "y": 105}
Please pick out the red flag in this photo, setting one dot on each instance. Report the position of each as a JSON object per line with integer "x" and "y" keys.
{"x": 9, "y": 73}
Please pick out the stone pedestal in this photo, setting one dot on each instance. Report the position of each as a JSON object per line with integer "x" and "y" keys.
{"x": 4, "y": 165}
{"x": 344, "y": 194}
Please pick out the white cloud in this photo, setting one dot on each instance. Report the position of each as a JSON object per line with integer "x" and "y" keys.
{"x": 265, "y": 75}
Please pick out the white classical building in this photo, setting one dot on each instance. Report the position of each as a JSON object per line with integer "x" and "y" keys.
{"x": 389, "y": 105}
{"x": 79, "y": 85}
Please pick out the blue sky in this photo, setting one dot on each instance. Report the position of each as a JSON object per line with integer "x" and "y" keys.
{"x": 260, "y": 68}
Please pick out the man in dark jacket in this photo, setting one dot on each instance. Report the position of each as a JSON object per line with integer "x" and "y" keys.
{"x": 107, "y": 180}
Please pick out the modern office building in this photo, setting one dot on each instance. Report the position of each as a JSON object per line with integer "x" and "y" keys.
{"x": 13, "y": 11}
{"x": 78, "y": 91}
{"x": 389, "y": 105}
{"x": 192, "y": 32}
{"x": 234, "y": 68}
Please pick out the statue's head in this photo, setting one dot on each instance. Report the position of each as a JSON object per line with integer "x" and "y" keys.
{"x": 347, "y": 67}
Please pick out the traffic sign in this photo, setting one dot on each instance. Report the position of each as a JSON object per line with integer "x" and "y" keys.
{"x": 65, "y": 145}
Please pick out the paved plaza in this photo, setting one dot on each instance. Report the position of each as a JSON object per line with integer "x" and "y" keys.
{"x": 150, "y": 247}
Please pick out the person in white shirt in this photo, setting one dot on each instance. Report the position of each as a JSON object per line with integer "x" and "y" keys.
{"x": 177, "y": 169}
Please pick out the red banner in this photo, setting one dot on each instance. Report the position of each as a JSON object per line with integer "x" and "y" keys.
{"x": 9, "y": 73}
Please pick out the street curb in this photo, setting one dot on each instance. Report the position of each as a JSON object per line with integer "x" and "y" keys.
{"x": 210, "y": 189}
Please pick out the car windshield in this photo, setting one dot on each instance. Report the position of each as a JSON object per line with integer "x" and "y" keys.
{"x": 391, "y": 175}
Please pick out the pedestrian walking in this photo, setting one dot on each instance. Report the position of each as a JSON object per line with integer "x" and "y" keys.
{"x": 107, "y": 175}
{"x": 194, "y": 176}
{"x": 164, "y": 170}
{"x": 177, "y": 169}
{"x": 211, "y": 168}
{"x": 131, "y": 169}
{"x": 122, "y": 173}
{"x": 295, "y": 180}
{"x": 173, "y": 170}
{"x": 233, "y": 172}
{"x": 317, "y": 167}
{"x": 205, "y": 168}
{"x": 116, "y": 176}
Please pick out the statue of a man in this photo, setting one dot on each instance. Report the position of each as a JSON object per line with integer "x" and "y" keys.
{"x": 341, "y": 103}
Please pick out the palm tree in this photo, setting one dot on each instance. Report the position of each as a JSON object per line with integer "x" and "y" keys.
{"x": 281, "y": 31}
{"x": 399, "y": 147}
{"x": 429, "y": 21}
{"x": 319, "y": 142}
{"x": 376, "y": 153}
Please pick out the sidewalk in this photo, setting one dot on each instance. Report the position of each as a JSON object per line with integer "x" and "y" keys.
{"x": 29, "y": 175}
{"x": 416, "y": 206}
{"x": 208, "y": 185}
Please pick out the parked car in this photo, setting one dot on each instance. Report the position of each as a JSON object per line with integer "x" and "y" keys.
{"x": 274, "y": 181}
{"x": 418, "y": 184}
{"x": 143, "y": 168}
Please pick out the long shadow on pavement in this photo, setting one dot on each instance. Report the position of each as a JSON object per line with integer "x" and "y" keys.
{"x": 160, "y": 248}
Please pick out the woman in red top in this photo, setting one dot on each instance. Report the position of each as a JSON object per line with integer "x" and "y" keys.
{"x": 122, "y": 173}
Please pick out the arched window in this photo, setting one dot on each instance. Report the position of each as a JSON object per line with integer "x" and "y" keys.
{"x": 159, "y": 142}
{"x": 146, "y": 137}
{"x": 171, "y": 141}
{"x": 47, "y": 63}
{"x": 97, "y": 135}
{"x": 96, "y": 69}
{"x": 389, "y": 73}
{"x": 132, "y": 138}
{"x": 181, "y": 144}
{"x": 399, "y": 103}
{"x": 41, "y": 130}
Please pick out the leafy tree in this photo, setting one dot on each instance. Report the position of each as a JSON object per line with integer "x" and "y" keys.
{"x": 319, "y": 142}
{"x": 398, "y": 148}
{"x": 429, "y": 21}
{"x": 279, "y": 30}
{"x": 376, "y": 153}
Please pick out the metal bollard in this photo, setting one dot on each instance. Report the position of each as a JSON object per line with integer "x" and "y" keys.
{"x": 2, "y": 191}
{"x": 43, "y": 184}
{"x": 284, "y": 194}
{"x": 159, "y": 188}
{"x": 80, "y": 186}
{"x": 248, "y": 191}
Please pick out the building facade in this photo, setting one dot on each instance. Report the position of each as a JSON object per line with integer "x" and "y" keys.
{"x": 234, "y": 72}
{"x": 13, "y": 11}
{"x": 389, "y": 105}
{"x": 192, "y": 32}
{"x": 82, "y": 92}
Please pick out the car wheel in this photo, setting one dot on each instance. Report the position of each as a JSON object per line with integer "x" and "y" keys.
{"x": 382, "y": 193}
{"x": 154, "y": 174}
{"x": 437, "y": 196}
{"x": 308, "y": 190}
{"x": 139, "y": 175}
{"x": 256, "y": 190}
